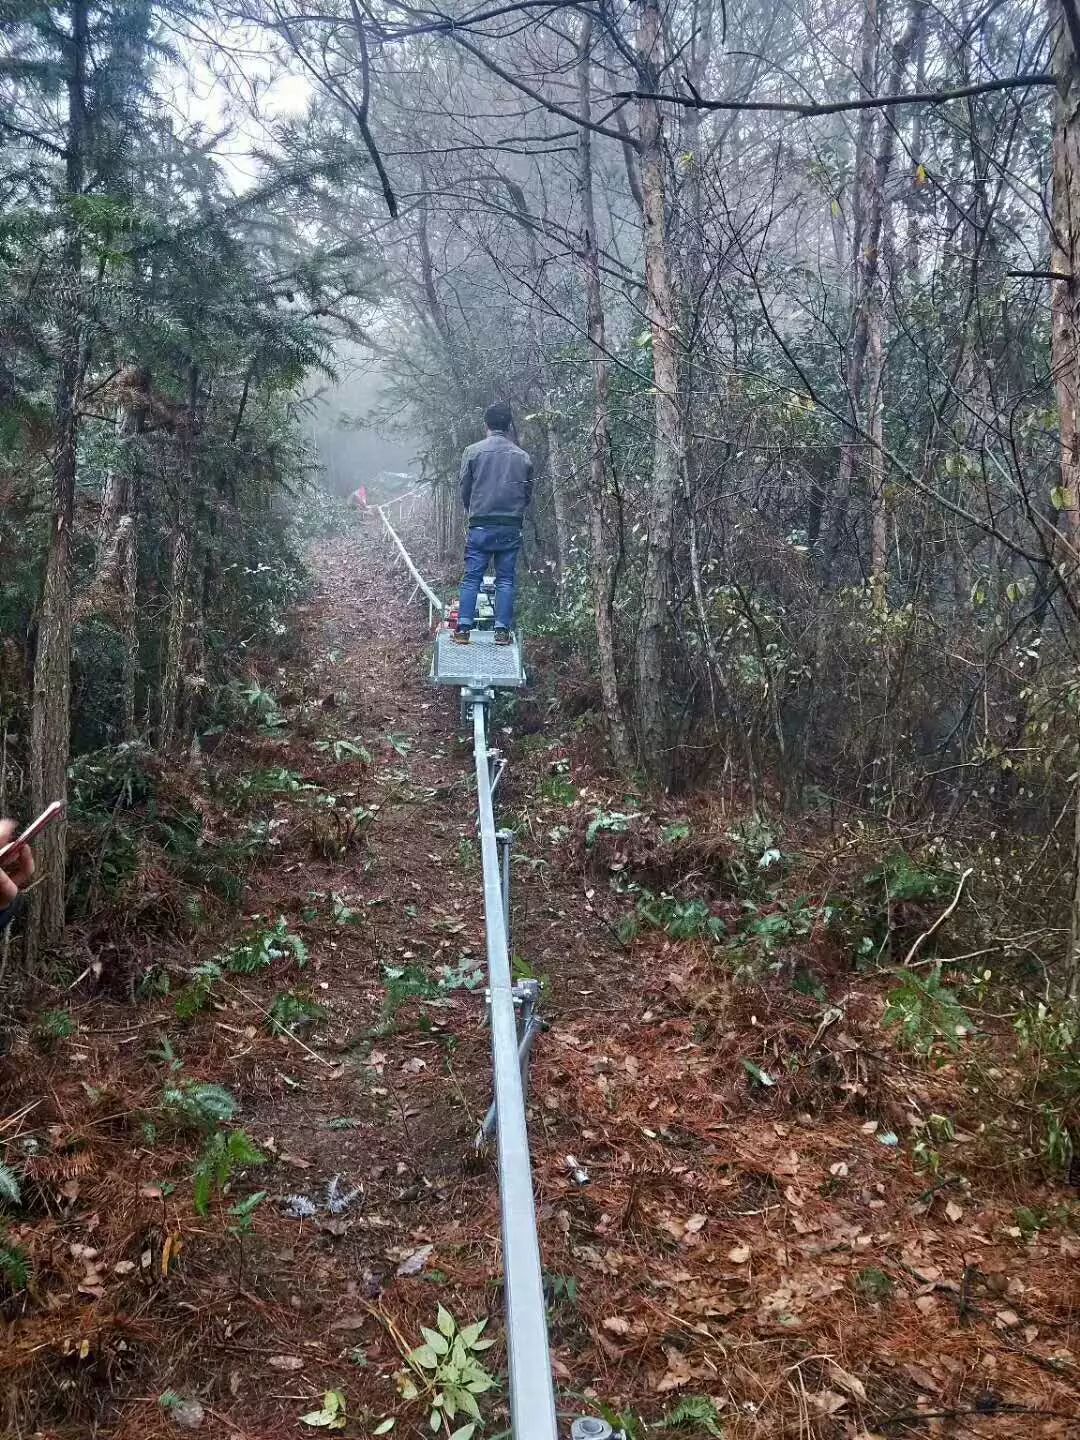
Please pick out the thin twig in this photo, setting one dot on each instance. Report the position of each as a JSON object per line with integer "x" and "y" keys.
{"x": 939, "y": 921}
{"x": 284, "y": 1029}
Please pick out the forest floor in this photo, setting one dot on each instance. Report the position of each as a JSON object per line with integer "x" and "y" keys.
{"x": 759, "y": 1216}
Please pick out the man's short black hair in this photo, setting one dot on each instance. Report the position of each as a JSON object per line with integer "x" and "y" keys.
{"x": 498, "y": 417}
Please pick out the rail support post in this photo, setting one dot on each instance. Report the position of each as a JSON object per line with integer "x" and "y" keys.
{"x": 530, "y": 1025}
{"x": 506, "y": 841}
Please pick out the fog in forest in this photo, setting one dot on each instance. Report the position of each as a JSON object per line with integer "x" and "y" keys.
{"x": 358, "y": 430}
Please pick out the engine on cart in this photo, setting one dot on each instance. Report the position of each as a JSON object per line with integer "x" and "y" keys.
{"x": 485, "y": 607}
{"x": 485, "y": 604}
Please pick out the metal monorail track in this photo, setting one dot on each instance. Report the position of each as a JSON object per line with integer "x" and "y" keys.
{"x": 477, "y": 670}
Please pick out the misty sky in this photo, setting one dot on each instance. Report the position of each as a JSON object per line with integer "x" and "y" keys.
{"x": 237, "y": 90}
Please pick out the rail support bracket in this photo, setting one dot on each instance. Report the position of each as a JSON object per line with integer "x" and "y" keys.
{"x": 530, "y": 1025}
{"x": 591, "y": 1427}
{"x": 470, "y": 698}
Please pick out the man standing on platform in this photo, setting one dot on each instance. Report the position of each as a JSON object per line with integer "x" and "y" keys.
{"x": 496, "y": 487}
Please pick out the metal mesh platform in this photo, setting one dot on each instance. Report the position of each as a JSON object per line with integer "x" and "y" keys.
{"x": 477, "y": 665}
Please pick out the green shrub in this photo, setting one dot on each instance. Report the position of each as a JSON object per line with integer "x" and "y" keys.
{"x": 1049, "y": 1052}
{"x": 681, "y": 919}
{"x": 925, "y": 1011}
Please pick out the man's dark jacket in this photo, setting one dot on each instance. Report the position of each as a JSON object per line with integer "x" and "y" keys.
{"x": 496, "y": 481}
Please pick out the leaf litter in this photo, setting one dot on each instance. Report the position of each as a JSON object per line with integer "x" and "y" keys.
{"x": 748, "y": 1252}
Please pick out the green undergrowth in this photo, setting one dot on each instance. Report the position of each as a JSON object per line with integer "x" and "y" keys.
{"x": 258, "y": 951}
{"x": 825, "y": 920}
{"x": 141, "y": 825}
{"x": 129, "y": 819}
{"x": 411, "y": 988}
{"x": 205, "y": 1112}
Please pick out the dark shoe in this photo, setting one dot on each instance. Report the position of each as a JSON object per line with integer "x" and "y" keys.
{"x": 461, "y": 637}
{"x": 503, "y": 636}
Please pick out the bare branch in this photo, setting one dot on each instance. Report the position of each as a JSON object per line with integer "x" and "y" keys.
{"x": 362, "y": 112}
{"x": 838, "y": 107}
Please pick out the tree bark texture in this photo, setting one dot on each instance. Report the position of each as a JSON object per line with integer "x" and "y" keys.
{"x": 173, "y": 665}
{"x": 50, "y": 721}
{"x": 653, "y": 700}
{"x": 1065, "y": 347}
{"x": 603, "y": 565}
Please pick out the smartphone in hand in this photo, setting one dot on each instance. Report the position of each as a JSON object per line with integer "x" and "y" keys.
{"x": 47, "y": 816}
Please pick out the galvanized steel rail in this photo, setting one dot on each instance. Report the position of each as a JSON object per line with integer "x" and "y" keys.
{"x": 532, "y": 1398}
{"x": 532, "y": 1394}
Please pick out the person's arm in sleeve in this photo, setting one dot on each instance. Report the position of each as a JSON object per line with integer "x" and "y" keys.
{"x": 466, "y": 480}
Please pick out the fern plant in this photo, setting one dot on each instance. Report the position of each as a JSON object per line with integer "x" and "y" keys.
{"x": 14, "y": 1262}
{"x": 10, "y": 1194}
{"x": 52, "y": 1026}
{"x": 222, "y": 1155}
{"x": 243, "y": 1213}
{"x": 290, "y": 1011}
{"x": 164, "y": 1054}
{"x": 199, "y": 1105}
{"x": 263, "y": 947}
{"x": 345, "y": 750}
{"x": 199, "y": 991}
{"x": 15, "y": 1267}
{"x": 694, "y": 1413}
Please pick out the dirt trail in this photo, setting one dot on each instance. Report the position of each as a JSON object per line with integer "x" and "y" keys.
{"x": 752, "y": 1254}
{"x": 136, "y": 1294}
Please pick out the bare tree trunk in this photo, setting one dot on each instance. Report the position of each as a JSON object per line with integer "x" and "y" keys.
{"x": 557, "y": 465}
{"x": 112, "y": 590}
{"x": 173, "y": 665}
{"x": 129, "y": 633}
{"x": 456, "y": 532}
{"x": 879, "y": 521}
{"x": 1065, "y": 254}
{"x": 853, "y": 366}
{"x": 858, "y": 335}
{"x": 174, "y": 629}
{"x": 1065, "y": 260}
{"x": 692, "y": 304}
{"x": 653, "y": 700}
{"x": 455, "y": 520}
{"x": 542, "y": 389}
{"x": 873, "y": 305}
{"x": 50, "y": 721}
{"x": 603, "y": 560}
{"x": 918, "y": 179}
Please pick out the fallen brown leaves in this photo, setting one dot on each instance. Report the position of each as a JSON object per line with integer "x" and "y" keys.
{"x": 769, "y": 1247}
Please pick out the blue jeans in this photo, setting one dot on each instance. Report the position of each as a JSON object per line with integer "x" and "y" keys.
{"x": 503, "y": 543}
